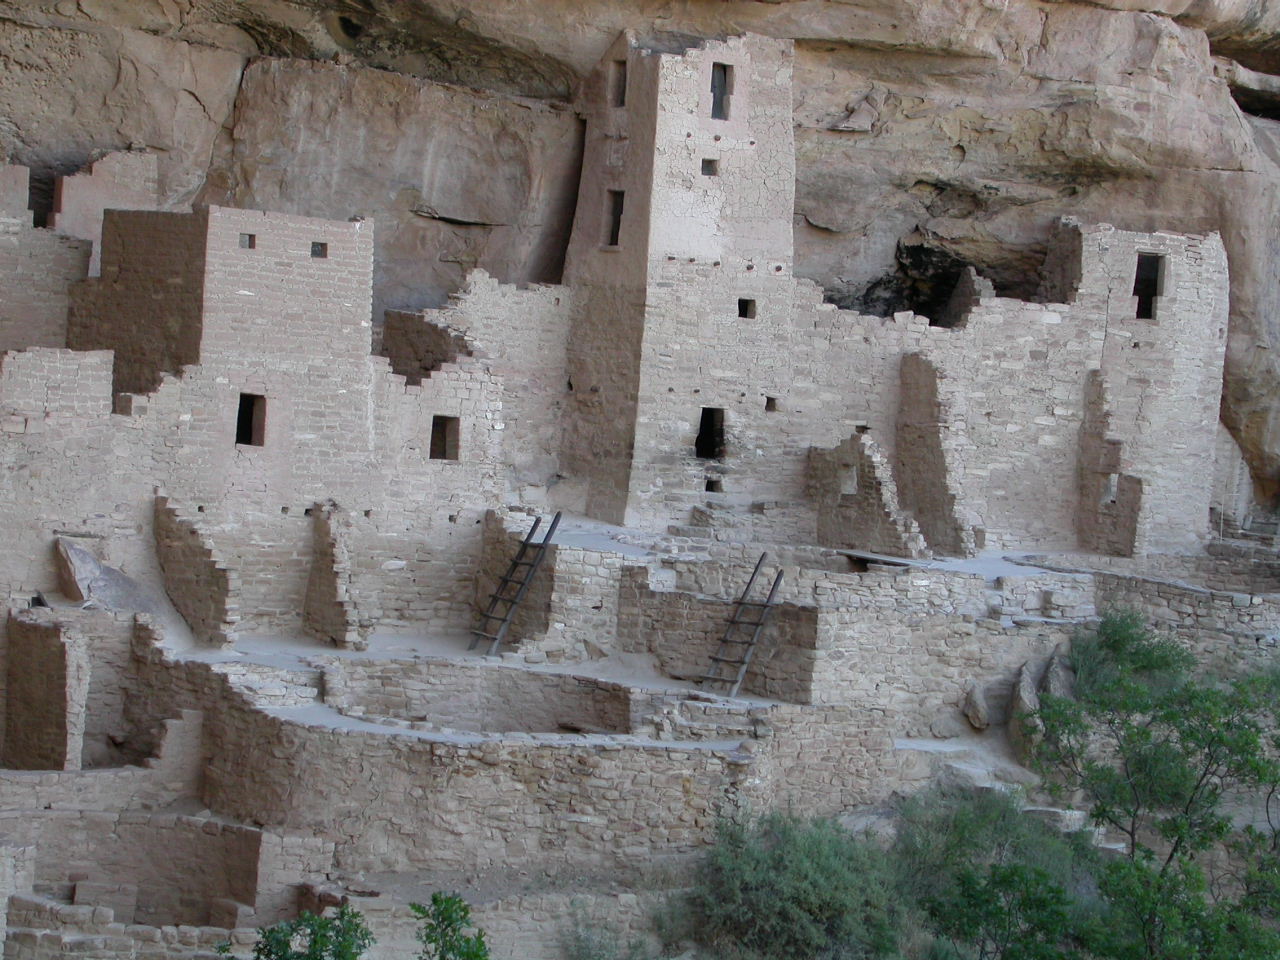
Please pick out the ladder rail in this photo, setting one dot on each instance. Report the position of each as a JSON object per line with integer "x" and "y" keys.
{"x": 743, "y": 645}
{"x": 537, "y": 551}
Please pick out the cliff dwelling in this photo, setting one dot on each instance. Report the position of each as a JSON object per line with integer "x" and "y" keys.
{"x": 322, "y": 587}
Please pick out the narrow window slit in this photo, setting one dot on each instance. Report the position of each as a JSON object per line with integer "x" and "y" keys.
{"x": 618, "y": 83}
{"x": 1147, "y": 282}
{"x": 721, "y": 88}
{"x": 616, "y": 198}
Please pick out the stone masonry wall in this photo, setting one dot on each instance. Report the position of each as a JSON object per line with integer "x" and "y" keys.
{"x": 47, "y": 693}
{"x": 196, "y": 576}
{"x": 37, "y": 269}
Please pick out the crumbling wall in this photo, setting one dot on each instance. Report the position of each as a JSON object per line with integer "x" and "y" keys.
{"x": 147, "y": 303}
{"x": 119, "y": 181}
{"x": 857, "y": 501}
{"x": 930, "y": 463}
{"x": 328, "y": 609}
{"x": 37, "y": 269}
{"x": 197, "y": 577}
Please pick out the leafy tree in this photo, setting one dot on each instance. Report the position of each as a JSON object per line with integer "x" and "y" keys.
{"x": 443, "y": 932}
{"x": 1013, "y": 912}
{"x": 1159, "y": 755}
{"x": 793, "y": 889}
{"x": 342, "y": 936}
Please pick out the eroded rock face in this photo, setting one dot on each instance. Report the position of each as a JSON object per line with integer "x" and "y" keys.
{"x": 930, "y": 135}
{"x": 453, "y": 179}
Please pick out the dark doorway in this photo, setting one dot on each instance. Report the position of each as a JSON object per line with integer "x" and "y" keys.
{"x": 710, "y": 442}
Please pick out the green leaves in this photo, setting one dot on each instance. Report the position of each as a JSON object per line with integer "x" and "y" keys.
{"x": 443, "y": 932}
{"x": 342, "y": 936}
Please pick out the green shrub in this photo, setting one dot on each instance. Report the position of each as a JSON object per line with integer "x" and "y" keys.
{"x": 443, "y": 932}
{"x": 343, "y": 936}
{"x": 585, "y": 940}
{"x": 793, "y": 889}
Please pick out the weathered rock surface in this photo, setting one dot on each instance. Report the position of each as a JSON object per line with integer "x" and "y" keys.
{"x": 452, "y": 179}
{"x": 929, "y": 135}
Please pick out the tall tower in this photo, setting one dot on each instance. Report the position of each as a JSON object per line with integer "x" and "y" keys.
{"x": 682, "y": 255}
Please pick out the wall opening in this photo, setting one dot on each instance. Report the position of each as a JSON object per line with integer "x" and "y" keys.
{"x": 746, "y": 309}
{"x": 614, "y": 211}
{"x": 714, "y": 486}
{"x": 618, "y": 83}
{"x": 444, "y": 438}
{"x": 710, "y": 168}
{"x": 319, "y": 250}
{"x": 721, "y": 89}
{"x": 1110, "y": 488}
{"x": 710, "y": 442}
{"x": 1147, "y": 280}
{"x": 770, "y": 404}
{"x": 248, "y": 241}
{"x": 251, "y": 420}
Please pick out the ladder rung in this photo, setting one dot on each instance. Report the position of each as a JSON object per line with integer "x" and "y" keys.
{"x": 756, "y": 603}
{"x": 746, "y": 623}
{"x": 494, "y": 616}
{"x": 727, "y": 660}
{"x": 487, "y": 636}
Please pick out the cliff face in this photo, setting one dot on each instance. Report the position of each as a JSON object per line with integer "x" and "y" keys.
{"x": 930, "y": 135}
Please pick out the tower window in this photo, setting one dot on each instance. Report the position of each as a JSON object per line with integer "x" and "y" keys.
{"x": 319, "y": 250}
{"x": 710, "y": 442}
{"x": 251, "y": 420}
{"x": 711, "y": 168}
{"x": 444, "y": 438}
{"x": 721, "y": 88}
{"x": 770, "y": 404}
{"x": 747, "y": 309}
{"x": 1147, "y": 281}
{"x": 618, "y": 83}
{"x": 615, "y": 217}
{"x": 248, "y": 241}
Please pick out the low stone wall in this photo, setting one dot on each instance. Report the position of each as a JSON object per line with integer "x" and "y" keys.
{"x": 171, "y": 774}
{"x": 174, "y": 867}
{"x": 44, "y": 929}
{"x": 477, "y": 696}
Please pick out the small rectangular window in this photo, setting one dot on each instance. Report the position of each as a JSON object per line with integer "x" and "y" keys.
{"x": 444, "y": 438}
{"x": 770, "y": 404}
{"x": 747, "y": 308}
{"x": 709, "y": 444}
{"x": 721, "y": 88}
{"x": 715, "y": 486}
{"x": 319, "y": 250}
{"x": 251, "y": 420}
{"x": 615, "y": 217}
{"x": 618, "y": 83}
{"x": 248, "y": 241}
{"x": 711, "y": 168}
{"x": 1147, "y": 281}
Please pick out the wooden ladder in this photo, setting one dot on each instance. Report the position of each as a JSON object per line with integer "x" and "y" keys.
{"x": 512, "y": 586}
{"x": 730, "y": 662}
